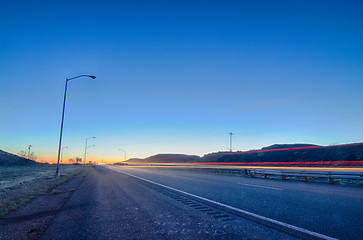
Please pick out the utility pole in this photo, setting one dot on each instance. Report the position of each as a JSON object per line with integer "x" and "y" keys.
{"x": 85, "y": 149}
{"x": 230, "y": 141}
{"x": 29, "y": 151}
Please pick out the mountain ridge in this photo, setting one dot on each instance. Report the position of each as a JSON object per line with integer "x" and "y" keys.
{"x": 278, "y": 153}
{"x": 9, "y": 159}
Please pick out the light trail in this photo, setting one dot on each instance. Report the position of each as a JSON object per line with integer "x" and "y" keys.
{"x": 319, "y": 169}
{"x": 250, "y": 164}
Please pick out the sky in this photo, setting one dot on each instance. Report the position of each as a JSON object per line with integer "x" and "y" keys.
{"x": 178, "y": 76}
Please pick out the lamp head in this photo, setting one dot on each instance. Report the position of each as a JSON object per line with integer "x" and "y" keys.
{"x": 93, "y": 77}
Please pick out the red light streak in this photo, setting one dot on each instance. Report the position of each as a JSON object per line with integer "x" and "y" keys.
{"x": 340, "y": 163}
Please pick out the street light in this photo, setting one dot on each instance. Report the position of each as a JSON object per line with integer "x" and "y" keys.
{"x": 61, "y": 130}
{"x": 124, "y": 152}
{"x": 87, "y": 153}
{"x": 85, "y": 149}
{"x": 62, "y": 152}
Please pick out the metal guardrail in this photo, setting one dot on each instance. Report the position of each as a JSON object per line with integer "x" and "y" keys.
{"x": 305, "y": 174}
{"x": 330, "y": 175}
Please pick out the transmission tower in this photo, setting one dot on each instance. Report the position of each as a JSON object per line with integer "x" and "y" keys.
{"x": 230, "y": 141}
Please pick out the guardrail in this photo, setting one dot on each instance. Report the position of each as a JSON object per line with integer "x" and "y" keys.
{"x": 330, "y": 175}
{"x": 305, "y": 174}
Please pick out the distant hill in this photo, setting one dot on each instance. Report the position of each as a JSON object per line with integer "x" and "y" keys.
{"x": 281, "y": 146}
{"x": 9, "y": 159}
{"x": 293, "y": 153}
{"x": 165, "y": 158}
{"x": 277, "y": 153}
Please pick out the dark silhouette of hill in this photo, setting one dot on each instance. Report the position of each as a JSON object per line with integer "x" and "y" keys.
{"x": 166, "y": 158}
{"x": 277, "y": 153}
{"x": 280, "y": 146}
{"x": 294, "y": 153}
{"x": 9, "y": 159}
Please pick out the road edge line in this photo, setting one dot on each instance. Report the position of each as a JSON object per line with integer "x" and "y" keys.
{"x": 291, "y": 229}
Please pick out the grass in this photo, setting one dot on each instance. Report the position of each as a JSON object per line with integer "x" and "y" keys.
{"x": 19, "y": 185}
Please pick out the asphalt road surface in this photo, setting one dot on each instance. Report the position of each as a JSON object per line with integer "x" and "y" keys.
{"x": 111, "y": 205}
{"x": 123, "y": 202}
{"x": 332, "y": 210}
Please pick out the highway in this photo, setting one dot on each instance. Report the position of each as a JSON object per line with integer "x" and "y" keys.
{"x": 332, "y": 210}
{"x": 111, "y": 205}
{"x": 123, "y": 202}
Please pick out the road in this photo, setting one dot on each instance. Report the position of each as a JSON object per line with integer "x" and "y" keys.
{"x": 112, "y": 205}
{"x": 333, "y": 210}
{"x": 123, "y": 202}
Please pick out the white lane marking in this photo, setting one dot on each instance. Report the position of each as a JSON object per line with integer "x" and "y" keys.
{"x": 266, "y": 219}
{"x": 251, "y": 185}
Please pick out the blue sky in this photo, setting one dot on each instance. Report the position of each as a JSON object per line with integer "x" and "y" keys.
{"x": 178, "y": 76}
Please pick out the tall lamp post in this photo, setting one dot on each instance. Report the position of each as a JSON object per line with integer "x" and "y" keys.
{"x": 62, "y": 153}
{"x": 124, "y": 152}
{"x": 85, "y": 149}
{"x": 61, "y": 130}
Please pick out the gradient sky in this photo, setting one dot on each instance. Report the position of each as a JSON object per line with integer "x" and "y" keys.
{"x": 178, "y": 76}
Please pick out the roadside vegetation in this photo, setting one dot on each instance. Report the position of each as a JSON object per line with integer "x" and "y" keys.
{"x": 20, "y": 184}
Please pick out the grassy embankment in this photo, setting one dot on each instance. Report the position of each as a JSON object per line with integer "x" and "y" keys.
{"x": 20, "y": 184}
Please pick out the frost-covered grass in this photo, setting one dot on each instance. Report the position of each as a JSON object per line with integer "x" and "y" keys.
{"x": 12, "y": 176}
{"x": 19, "y": 184}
